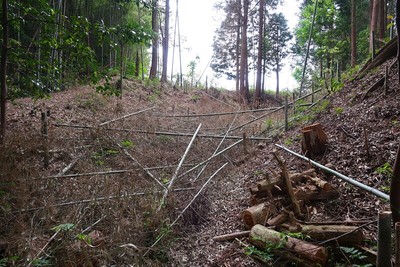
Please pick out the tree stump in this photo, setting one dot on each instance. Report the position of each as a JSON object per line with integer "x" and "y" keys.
{"x": 314, "y": 141}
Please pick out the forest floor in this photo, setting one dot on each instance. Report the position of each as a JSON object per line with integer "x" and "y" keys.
{"x": 111, "y": 160}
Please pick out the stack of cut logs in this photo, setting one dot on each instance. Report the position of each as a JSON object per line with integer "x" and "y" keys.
{"x": 281, "y": 203}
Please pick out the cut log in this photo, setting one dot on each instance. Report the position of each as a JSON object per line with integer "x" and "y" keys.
{"x": 281, "y": 218}
{"x": 311, "y": 196}
{"x": 255, "y": 215}
{"x": 263, "y": 237}
{"x": 314, "y": 140}
{"x": 268, "y": 184}
{"x": 324, "y": 185}
{"x": 345, "y": 234}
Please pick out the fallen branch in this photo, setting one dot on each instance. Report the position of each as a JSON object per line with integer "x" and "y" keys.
{"x": 232, "y": 236}
{"x": 375, "y": 86}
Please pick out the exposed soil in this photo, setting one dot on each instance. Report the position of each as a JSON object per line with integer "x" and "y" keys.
{"x": 119, "y": 211}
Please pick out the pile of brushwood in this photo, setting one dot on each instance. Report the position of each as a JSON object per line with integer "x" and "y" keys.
{"x": 278, "y": 220}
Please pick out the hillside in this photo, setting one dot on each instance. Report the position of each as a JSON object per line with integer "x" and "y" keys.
{"x": 111, "y": 159}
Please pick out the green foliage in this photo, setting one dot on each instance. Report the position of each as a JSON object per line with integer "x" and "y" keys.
{"x": 385, "y": 169}
{"x": 65, "y": 227}
{"x": 355, "y": 255}
{"x": 10, "y": 261}
{"x": 276, "y": 41}
{"x": 298, "y": 235}
{"x": 127, "y": 144}
{"x": 265, "y": 255}
{"x": 268, "y": 123}
{"x": 41, "y": 262}
{"x": 54, "y": 46}
{"x": 336, "y": 85}
{"x": 339, "y": 110}
{"x": 84, "y": 238}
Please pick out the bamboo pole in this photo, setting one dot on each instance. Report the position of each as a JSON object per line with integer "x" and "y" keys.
{"x": 126, "y": 116}
{"x": 384, "y": 239}
{"x": 308, "y": 47}
{"x": 141, "y": 166}
{"x": 216, "y": 150}
{"x": 98, "y": 199}
{"x": 165, "y": 133}
{"x": 367, "y": 188}
{"x": 217, "y": 113}
{"x": 175, "y": 176}
{"x": 185, "y": 209}
{"x": 211, "y": 158}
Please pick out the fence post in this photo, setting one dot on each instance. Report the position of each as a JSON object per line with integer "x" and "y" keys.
{"x": 294, "y": 103}
{"x": 45, "y": 137}
{"x": 312, "y": 92}
{"x": 384, "y": 239}
{"x": 397, "y": 242}
{"x": 386, "y": 80}
{"x": 286, "y": 113}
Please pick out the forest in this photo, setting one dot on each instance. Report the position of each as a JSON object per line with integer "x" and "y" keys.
{"x": 111, "y": 157}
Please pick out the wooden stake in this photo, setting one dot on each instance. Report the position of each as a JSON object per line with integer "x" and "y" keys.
{"x": 245, "y": 148}
{"x": 384, "y": 239}
{"x": 45, "y": 137}
{"x": 288, "y": 183}
{"x": 386, "y": 80}
{"x": 366, "y": 142}
{"x": 286, "y": 114}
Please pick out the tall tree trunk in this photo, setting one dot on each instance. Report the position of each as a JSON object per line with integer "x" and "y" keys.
{"x": 373, "y": 23}
{"x": 238, "y": 51}
{"x": 381, "y": 20}
{"x": 257, "y": 95}
{"x": 165, "y": 43}
{"x": 277, "y": 82}
{"x": 353, "y": 34}
{"x": 154, "y": 54}
{"x": 3, "y": 72}
{"x": 243, "y": 55}
{"x": 398, "y": 38}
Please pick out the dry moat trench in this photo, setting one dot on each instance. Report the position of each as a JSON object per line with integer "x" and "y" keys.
{"x": 119, "y": 170}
